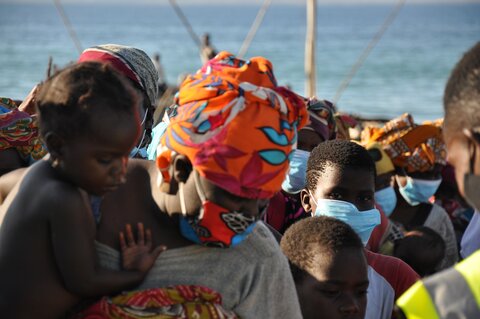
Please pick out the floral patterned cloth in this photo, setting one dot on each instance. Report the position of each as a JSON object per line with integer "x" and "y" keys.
{"x": 19, "y": 130}
{"x": 180, "y": 302}
{"x": 236, "y": 126}
{"x": 417, "y": 148}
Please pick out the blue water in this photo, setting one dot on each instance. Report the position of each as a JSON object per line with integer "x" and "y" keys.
{"x": 406, "y": 72}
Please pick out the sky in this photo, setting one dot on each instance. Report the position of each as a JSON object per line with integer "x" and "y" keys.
{"x": 253, "y": 2}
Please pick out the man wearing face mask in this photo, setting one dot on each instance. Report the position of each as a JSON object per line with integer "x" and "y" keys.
{"x": 418, "y": 154}
{"x": 341, "y": 184}
{"x": 455, "y": 292}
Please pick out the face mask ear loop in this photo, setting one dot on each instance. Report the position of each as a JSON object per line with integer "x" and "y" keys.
{"x": 182, "y": 199}
{"x": 200, "y": 192}
{"x": 312, "y": 198}
{"x": 144, "y": 118}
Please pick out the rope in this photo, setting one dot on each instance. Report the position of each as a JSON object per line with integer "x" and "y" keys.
{"x": 388, "y": 21}
{"x": 68, "y": 25}
{"x": 254, "y": 28}
{"x": 185, "y": 22}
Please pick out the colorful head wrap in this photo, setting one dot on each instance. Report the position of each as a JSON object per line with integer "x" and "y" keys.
{"x": 235, "y": 125}
{"x": 132, "y": 62}
{"x": 383, "y": 163}
{"x": 19, "y": 130}
{"x": 322, "y": 119}
{"x": 186, "y": 302}
{"x": 417, "y": 148}
{"x": 344, "y": 123}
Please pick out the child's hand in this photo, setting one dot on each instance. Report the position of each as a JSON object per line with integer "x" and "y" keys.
{"x": 138, "y": 255}
{"x": 28, "y": 104}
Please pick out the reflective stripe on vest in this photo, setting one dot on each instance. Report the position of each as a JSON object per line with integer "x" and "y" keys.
{"x": 416, "y": 303}
{"x": 470, "y": 270}
{"x": 452, "y": 294}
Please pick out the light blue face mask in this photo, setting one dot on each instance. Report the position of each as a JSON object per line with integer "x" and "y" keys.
{"x": 386, "y": 199}
{"x": 362, "y": 222}
{"x": 418, "y": 191}
{"x": 295, "y": 180}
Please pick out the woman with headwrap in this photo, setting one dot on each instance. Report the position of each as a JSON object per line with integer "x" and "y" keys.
{"x": 225, "y": 152}
{"x": 418, "y": 154}
{"x": 137, "y": 66}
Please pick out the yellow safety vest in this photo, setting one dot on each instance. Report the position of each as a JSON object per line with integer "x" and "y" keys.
{"x": 452, "y": 293}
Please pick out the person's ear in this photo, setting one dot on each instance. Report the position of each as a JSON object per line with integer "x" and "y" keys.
{"x": 181, "y": 169}
{"x": 473, "y": 137}
{"x": 306, "y": 200}
{"x": 55, "y": 145}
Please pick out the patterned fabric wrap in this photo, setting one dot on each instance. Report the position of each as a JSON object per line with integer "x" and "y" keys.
{"x": 344, "y": 123}
{"x": 417, "y": 148}
{"x": 132, "y": 62}
{"x": 321, "y": 119}
{"x": 179, "y": 302}
{"x": 236, "y": 126}
{"x": 19, "y": 130}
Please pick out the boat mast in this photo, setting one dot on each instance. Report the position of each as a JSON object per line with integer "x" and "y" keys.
{"x": 310, "y": 69}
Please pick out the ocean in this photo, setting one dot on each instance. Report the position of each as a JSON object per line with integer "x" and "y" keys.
{"x": 405, "y": 72}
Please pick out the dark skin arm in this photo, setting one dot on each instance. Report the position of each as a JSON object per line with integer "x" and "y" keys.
{"x": 73, "y": 235}
{"x": 8, "y": 181}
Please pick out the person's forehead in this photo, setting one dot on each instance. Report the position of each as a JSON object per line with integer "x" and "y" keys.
{"x": 347, "y": 264}
{"x": 346, "y": 177}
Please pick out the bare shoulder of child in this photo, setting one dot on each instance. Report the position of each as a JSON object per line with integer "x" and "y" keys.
{"x": 89, "y": 122}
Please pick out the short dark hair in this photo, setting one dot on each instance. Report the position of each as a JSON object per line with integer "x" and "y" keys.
{"x": 340, "y": 153}
{"x": 461, "y": 99}
{"x": 306, "y": 238}
{"x": 68, "y": 102}
{"x": 423, "y": 250}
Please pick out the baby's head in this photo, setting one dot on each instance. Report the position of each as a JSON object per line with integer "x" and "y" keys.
{"x": 328, "y": 266}
{"x": 88, "y": 120}
{"x": 422, "y": 248}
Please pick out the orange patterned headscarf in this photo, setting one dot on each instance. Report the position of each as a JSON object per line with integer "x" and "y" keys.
{"x": 417, "y": 148}
{"x": 235, "y": 125}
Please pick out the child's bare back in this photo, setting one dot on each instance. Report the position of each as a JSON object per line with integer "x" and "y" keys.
{"x": 44, "y": 241}
{"x": 47, "y": 254}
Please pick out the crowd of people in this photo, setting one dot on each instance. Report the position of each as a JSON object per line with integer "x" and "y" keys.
{"x": 243, "y": 199}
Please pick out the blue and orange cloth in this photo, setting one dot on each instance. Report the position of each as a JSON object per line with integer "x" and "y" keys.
{"x": 236, "y": 126}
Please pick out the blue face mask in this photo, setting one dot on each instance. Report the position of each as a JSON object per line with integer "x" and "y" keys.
{"x": 386, "y": 199}
{"x": 362, "y": 222}
{"x": 418, "y": 191}
{"x": 295, "y": 180}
